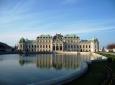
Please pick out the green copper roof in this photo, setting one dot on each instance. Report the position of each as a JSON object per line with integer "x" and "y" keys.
{"x": 71, "y": 35}
{"x": 58, "y": 37}
{"x": 94, "y": 39}
{"x": 22, "y": 40}
{"x": 45, "y": 36}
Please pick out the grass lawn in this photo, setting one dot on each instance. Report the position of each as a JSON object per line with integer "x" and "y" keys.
{"x": 108, "y": 54}
{"x": 96, "y": 72}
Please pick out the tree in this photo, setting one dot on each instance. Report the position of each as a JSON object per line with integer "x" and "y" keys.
{"x": 110, "y": 46}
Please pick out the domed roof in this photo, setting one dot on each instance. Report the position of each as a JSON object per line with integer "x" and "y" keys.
{"x": 58, "y": 37}
{"x": 22, "y": 40}
{"x": 94, "y": 39}
{"x": 71, "y": 36}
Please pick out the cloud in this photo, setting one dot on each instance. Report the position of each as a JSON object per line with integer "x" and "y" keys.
{"x": 26, "y": 19}
{"x": 12, "y": 38}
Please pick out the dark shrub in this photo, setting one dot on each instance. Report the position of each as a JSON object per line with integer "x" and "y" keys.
{"x": 109, "y": 60}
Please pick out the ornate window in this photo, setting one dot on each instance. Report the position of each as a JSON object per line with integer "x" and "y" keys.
{"x": 46, "y": 46}
{"x": 60, "y": 47}
{"x": 53, "y": 47}
{"x": 86, "y": 46}
{"x": 57, "y": 48}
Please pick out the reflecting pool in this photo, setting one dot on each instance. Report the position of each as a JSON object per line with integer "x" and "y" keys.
{"x": 27, "y": 69}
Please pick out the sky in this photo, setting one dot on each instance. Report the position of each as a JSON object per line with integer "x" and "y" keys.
{"x": 30, "y": 18}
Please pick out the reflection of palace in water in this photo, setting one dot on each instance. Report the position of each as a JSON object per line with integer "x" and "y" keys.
{"x": 58, "y": 61}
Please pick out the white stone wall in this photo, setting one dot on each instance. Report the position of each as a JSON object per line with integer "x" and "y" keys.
{"x": 47, "y": 44}
{"x": 71, "y": 43}
{"x": 44, "y": 44}
{"x": 85, "y": 46}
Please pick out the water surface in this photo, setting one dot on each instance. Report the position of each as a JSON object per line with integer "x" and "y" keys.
{"x": 26, "y": 69}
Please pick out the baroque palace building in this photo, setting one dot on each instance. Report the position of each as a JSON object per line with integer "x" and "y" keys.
{"x": 58, "y": 43}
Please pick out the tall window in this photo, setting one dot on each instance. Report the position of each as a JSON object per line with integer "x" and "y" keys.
{"x": 60, "y": 47}
{"x": 83, "y": 46}
{"x": 53, "y": 47}
{"x": 71, "y": 46}
{"x": 57, "y": 48}
{"x": 46, "y": 46}
{"x": 74, "y": 46}
{"x": 80, "y": 46}
{"x": 65, "y": 46}
{"x": 35, "y": 46}
{"x": 21, "y": 46}
{"x": 43, "y": 46}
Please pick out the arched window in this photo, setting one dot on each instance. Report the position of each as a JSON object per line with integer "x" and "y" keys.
{"x": 57, "y": 48}
{"x": 65, "y": 46}
{"x": 35, "y": 46}
{"x": 83, "y": 46}
{"x": 43, "y": 46}
{"x": 60, "y": 47}
{"x": 68, "y": 46}
{"x": 74, "y": 46}
{"x": 46, "y": 46}
{"x": 53, "y": 47}
{"x": 86, "y": 46}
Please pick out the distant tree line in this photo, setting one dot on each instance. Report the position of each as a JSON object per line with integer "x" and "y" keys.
{"x": 110, "y": 46}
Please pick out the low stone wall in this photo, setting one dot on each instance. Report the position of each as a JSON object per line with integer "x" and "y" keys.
{"x": 65, "y": 52}
{"x": 68, "y": 52}
{"x": 99, "y": 57}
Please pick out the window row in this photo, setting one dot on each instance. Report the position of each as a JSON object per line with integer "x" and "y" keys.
{"x": 71, "y": 46}
{"x": 85, "y": 46}
{"x": 44, "y": 41}
{"x": 71, "y": 41}
{"x": 82, "y": 50}
{"x": 30, "y": 46}
{"x": 44, "y": 46}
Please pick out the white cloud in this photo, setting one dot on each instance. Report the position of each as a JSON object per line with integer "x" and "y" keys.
{"x": 13, "y": 38}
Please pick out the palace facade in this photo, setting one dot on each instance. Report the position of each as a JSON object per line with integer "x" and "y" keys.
{"x": 58, "y": 43}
